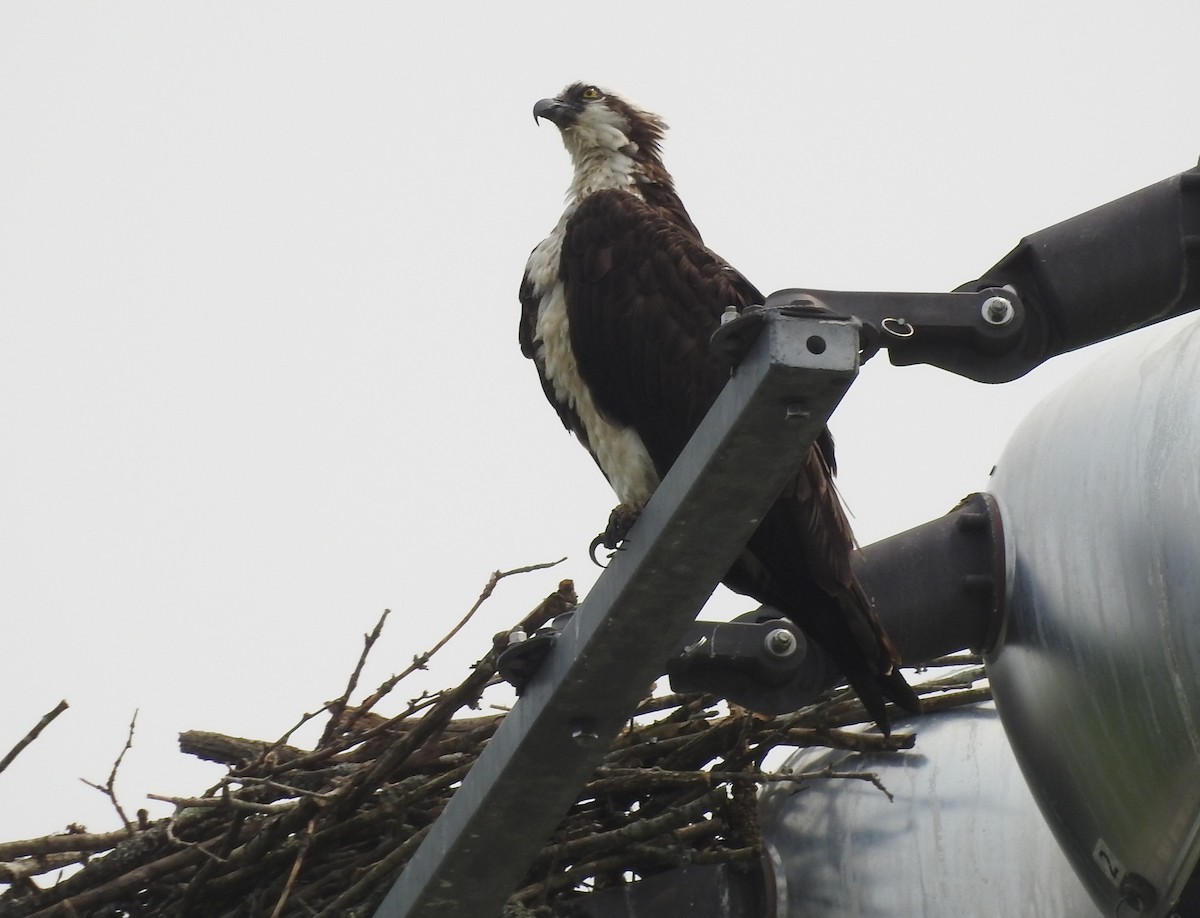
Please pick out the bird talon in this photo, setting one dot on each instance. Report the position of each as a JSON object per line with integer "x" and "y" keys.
{"x": 596, "y": 543}
{"x": 620, "y": 521}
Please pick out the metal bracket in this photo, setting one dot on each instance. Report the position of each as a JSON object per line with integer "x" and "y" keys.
{"x": 961, "y": 332}
{"x": 760, "y": 661}
{"x": 937, "y": 588}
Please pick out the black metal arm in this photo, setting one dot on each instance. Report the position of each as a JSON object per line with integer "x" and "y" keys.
{"x": 1127, "y": 264}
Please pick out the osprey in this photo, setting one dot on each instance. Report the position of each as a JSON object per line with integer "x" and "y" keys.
{"x": 618, "y": 305}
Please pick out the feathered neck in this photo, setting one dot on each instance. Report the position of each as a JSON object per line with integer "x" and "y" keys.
{"x": 617, "y": 147}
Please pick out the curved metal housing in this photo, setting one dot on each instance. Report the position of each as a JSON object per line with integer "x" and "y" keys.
{"x": 1097, "y": 675}
{"x": 962, "y": 839}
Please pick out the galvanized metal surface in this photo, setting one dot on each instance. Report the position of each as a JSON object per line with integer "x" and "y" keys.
{"x": 963, "y": 838}
{"x": 1098, "y": 673}
{"x": 694, "y": 890}
{"x": 974, "y": 334}
{"x": 618, "y": 641}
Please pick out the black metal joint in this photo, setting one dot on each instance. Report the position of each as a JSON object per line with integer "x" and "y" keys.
{"x": 760, "y": 661}
{"x": 941, "y": 586}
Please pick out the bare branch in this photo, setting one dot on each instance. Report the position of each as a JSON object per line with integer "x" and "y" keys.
{"x": 296, "y": 865}
{"x": 32, "y": 734}
{"x": 84, "y": 842}
{"x": 108, "y": 788}
{"x": 336, "y": 708}
{"x": 27, "y": 867}
{"x": 226, "y": 802}
{"x": 422, "y": 660}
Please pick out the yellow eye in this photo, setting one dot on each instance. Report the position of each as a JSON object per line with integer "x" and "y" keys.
{"x": 591, "y": 94}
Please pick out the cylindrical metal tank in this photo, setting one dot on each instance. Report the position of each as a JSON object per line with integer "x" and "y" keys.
{"x": 962, "y": 838}
{"x": 1097, "y": 673}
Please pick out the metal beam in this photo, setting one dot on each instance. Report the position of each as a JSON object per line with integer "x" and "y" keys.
{"x": 616, "y": 645}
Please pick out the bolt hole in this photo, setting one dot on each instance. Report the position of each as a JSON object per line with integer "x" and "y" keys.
{"x": 816, "y": 344}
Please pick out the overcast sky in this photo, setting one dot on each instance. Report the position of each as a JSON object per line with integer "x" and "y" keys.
{"x": 259, "y": 376}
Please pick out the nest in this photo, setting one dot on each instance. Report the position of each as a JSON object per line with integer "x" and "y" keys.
{"x": 325, "y": 831}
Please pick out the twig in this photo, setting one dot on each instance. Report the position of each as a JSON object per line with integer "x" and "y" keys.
{"x": 421, "y": 661}
{"x": 951, "y": 659}
{"x": 108, "y": 787}
{"x": 214, "y": 859}
{"x": 227, "y": 802}
{"x": 32, "y": 734}
{"x": 561, "y": 600}
{"x": 828, "y": 772}
{"x": 372, "y": 877}
{"x": 287, "y": 789}
{"x": 26, "y": 867}
{"x": 337, "y": 707}
{"x": 299, "y": 861}
{"x": 282, "y": 741}
{"x": 363, "y": 784}
{"x": 218, "y": 857}
{"x": 639, "y": 830}
{"x": 488, "y": 589}
{"x": 138, "y": 878}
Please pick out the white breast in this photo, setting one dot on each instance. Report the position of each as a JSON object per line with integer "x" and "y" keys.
{"x": 619, "y": 450}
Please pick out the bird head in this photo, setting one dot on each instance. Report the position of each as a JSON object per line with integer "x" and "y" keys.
{"x": 611, "y": 141}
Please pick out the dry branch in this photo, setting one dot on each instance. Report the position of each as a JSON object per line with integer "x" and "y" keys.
{"x": 325, "y": 831}
{"x": 33, "y": 734}
{"x": 108, "y": 788}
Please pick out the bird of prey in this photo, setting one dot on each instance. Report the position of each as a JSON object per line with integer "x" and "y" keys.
{"x": 618, "y": 305}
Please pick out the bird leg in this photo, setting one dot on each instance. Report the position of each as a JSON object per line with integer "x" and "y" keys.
{"x": 620, "y": 521}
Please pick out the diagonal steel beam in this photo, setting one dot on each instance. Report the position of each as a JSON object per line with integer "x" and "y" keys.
{"x": 616, "y": 645}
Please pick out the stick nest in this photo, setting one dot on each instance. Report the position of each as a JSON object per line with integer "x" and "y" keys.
{"x": 325, "y": 831}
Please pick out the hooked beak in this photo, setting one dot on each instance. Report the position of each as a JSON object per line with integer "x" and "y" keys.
{"x": 556, "y": 111}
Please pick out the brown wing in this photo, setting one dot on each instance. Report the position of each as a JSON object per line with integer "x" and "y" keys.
{"x": 800, "y": 561}
{"x": 644, "y": 296}
{"x": 526, "y": 336}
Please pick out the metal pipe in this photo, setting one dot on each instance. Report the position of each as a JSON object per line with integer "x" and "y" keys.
{"x": 939, "y": 587}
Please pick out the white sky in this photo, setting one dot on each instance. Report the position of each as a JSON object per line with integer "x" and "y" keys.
{"x": 259, "y": 376}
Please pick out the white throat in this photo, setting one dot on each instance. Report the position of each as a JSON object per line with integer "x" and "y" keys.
{"x": 601, "y": 153}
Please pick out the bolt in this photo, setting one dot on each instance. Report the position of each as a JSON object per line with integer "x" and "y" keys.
{"x": 1138, "y": 895}
{"x": 972, "y": 520}
{"x": 517, "y": 636}
{"x": 583, "y": 731}
{"x": 795, "y": 411}
{"x": 997, "y": 310}
{"x": 780, "y": 642}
